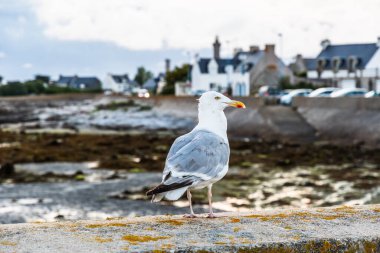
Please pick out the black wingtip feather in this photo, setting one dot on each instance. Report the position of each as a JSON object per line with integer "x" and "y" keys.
{"x": 165, "y": 188}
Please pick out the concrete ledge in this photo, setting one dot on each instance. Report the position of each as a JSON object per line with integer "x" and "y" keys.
{"x": 336, "y": 229}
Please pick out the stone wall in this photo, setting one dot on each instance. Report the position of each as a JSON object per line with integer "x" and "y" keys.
{"x": 343, "y": 120}
{"x": 335, "y": 229}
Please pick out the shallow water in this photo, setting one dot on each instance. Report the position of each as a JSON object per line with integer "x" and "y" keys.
{"x": 98, "y": 193}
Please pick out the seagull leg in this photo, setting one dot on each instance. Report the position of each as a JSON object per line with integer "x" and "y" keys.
{"x": 191, "y": 215}
{"x": 211, "y": 214}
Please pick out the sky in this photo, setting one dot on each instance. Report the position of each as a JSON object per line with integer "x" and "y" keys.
{"x": 96, "y": 37}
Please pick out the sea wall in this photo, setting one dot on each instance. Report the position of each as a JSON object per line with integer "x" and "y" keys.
{"x": 343, "y": 120}
{"x": 335, "y": 229}
{"x": 347, "y": 121}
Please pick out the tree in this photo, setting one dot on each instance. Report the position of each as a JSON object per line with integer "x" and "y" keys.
{"x": 178, "y": 74}
{"x": 35, "y": 87}
{"x": 1, "y": 79}
{"x": 142, "y": 75}
{"x": 43, "y": 78}
{"x": 13, "y": 89}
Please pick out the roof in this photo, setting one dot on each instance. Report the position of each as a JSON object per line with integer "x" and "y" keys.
{"x": 76, "y": 82}
{"x": 244, "y": 58}
{"x": 120, "y": 78}
{"x": 222, "y": 63}
{"x": 363, "y": 52}
{"x": 310, "y": 63}
{"x": 150, "y": 84}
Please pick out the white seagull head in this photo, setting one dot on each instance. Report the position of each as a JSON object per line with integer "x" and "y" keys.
{"x": 216, "y": 101}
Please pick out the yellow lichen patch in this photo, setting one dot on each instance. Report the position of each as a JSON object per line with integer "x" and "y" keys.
{"x": 235, "y": 220}
{"x": 101, "y": 225}
{"x": 346, "y": 209}
{"x": 232, "y": 239}
{"x": 167, "y": 246}
{"x": 149, "y": 229}
{"x": 237, "y": 229}
{"x": 296, "y": 237}
{"x": 8, "y": 243}
{"x": 326, "y": 247}
{"x": 220, "y": 243}
{"x": 245, "y": 241}
{"x": 370, "y": 246}
{"x": 376, "y": 209}
{"x": 301, "y": 215}
{"x": 143, "y": 238}
{"x": 114, "y": 218}
{"x": 288, "y": 227}
{"x": 102, "y": 240}
{"x": 172, "y": 222}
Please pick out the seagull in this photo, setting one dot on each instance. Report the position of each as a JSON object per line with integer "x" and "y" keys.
{"x": 199, "y": 158}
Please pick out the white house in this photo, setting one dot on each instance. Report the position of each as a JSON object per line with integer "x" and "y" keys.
{"x": 119, "y": 83}
{"x": 347, "y": 65}
{"x": 245, "y": 72}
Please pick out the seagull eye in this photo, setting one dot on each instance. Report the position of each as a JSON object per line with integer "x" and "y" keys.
{"x": 217, "y": 98}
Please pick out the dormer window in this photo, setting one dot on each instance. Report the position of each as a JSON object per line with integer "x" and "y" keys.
{"x": 353, "y": 62}
{"x": 321, "y": 65}
{"x": 336, "y": 63}
{"x": 212, "y": 67}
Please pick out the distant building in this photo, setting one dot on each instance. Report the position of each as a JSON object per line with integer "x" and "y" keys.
{"x": 119, "y": 83}
{"x": 242, "y": 74}
{"x": 155, "y": 84}
{"x": 345, "y": 66}
{"x": 75, "y": 82}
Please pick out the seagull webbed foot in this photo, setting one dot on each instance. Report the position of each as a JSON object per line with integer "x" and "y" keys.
{"x": 190, "y": 216}
{"x": 211, "y": 216}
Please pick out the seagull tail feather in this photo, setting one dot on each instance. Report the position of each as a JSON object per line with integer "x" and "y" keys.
{"x": 162, "y": 188}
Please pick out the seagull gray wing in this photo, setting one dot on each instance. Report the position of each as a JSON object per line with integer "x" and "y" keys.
{"x": 199, "y": 155}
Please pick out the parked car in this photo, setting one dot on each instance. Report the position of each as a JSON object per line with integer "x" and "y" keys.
{"x": 267, "y": 91}
{"x": 349, "y": 92}
{"x": 287, "y": 99}
{"x": 142, "y": 93}
{"x": 198, "y": 93}
{"x": 323, "y": 92}
{"x": 372, "y": 94}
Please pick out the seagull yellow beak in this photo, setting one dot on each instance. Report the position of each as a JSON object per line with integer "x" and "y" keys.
{"x": 236, "y": 104}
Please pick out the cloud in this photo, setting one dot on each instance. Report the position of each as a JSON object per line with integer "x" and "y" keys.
{"x": 2, "y": 55}
{"x": 192, "y": 25}
{"x": 27, "y": 65}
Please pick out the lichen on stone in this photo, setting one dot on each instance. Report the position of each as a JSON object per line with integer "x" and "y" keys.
{"x": 101, "y": 225}
{"x": 143, "y": 238}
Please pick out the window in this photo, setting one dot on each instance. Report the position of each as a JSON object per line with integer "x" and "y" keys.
{"x": 336, "y": 63}
{"x": 352, "y": 63}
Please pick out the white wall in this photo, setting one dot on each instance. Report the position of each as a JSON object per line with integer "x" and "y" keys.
{"x": 348, "y": 83}
{"x": 110, "y": 84}
{"x": 202, "y": 81}
{"x": 375, "y": 61}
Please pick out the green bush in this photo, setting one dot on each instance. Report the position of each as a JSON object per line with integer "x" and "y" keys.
{"x": 38, "y": 87}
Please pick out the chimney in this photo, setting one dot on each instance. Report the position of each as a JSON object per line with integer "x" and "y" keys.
{"x": 167, "y": 65}
{"x": 378, "y": 41}
{"x": 269, "y": 48}
{"x": 216, "y": 46}
{"x": 237, "y": 50}
{"x": 254, "y": 49}
{"x": 325, "y": 43}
